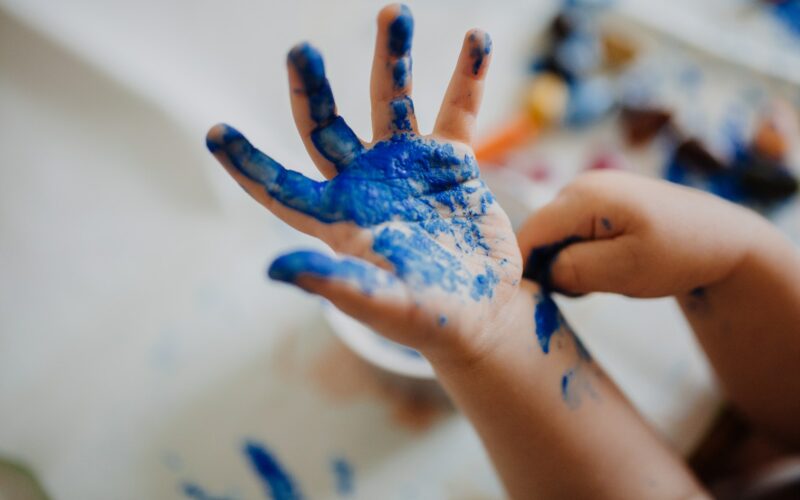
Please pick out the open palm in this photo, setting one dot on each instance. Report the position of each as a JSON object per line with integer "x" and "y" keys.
{"x": 428, "y": 249}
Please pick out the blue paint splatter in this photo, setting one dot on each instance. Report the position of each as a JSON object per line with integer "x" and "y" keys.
{"x": 278, "y": 484}
{"x": 484, "y": 284}
{"x": 606, "y": 224}
{"x": 547, "y": 320}
{"x": 442, "y": 320}
{"x": 401, "y": 31}
{"x": 343, "y": 473}
{"x": 196, "y": 492}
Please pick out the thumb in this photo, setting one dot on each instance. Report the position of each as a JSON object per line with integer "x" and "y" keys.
{"x": 597, "y": 266}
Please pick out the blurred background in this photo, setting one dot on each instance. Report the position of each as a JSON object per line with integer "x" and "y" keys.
{"x": 143, "y": 353}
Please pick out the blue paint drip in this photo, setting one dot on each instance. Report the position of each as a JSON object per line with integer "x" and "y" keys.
{"x": 547, "y": 320}
{"x": 344, "y": 474}
{"x": 278, "y": 484}
{"x": 426, "y": 185}
{"x": 479, "y": 51}
{"x": 401, "y": 30}
{"x": 288, "y": 267}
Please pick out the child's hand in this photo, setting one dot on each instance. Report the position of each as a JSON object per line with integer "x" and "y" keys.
{"x": 431, "y": 257}
{"x": 636, "y": 236}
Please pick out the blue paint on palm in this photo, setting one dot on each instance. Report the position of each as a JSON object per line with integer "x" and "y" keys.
{"x": 427, "y": 185}
{"x": 278, "y": 484}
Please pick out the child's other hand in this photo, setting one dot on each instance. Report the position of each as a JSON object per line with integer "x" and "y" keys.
{"x": 635, "y": 236}
{"x": 431, "y": 258}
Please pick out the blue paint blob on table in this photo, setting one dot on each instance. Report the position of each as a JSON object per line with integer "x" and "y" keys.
{"x": 278, "y": 484}
{"x": 196, "y": 492}
{"x": 547, "y": 320}
{"x": 343, "y": 474}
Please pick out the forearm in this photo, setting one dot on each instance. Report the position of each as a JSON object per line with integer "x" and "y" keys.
{"x": 749, "y": 326}
{"x": 554, "y": 424}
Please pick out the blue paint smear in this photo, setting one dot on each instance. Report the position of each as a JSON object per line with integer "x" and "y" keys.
{"x": 401, "y": 31}
{"x": 606, "y": 224}
{"x": 344, "y": 474}
{"x": 432, "y": 189}
{"x": 196, "y": 492}
{"x": 401, "y": 109}
{"x": 479, "y": 51}
{"x": 565, "y": 380}
{"x": 289, "y": 267}
{"x": 278, "y": 484}
{"x": 401, "y": 72}
{"x": 442, "y": 320}
{"x": 547, "y": 320}
{"x": 332, "y": 137}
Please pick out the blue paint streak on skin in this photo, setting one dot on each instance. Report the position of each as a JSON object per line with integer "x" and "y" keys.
{"x": 565, "y": 380}
{"x": 289, "y": 267}
{"x": 337, "y": 143}
{"x": 606, "y": 224}
{"x": 424, "y": 184}
{"x": 343, "y": 472}
{"x": 442, "y": 320}
{"x": 539, "y": 266}
{"x": 401, "y": 30}
{"x": 402, "y": 108}
{"x": 479, "y": 51}
{"x": 547, "y": 319}
{"x": 278, "y": 484}
{"x": 332, "y": 137}
{"x": 309, "y": 65}
{"x": 402, "y": 68}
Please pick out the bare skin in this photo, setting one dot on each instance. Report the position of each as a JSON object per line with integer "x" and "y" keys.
{"x": 736, "y": 278}
{"x": 554, "y": 425}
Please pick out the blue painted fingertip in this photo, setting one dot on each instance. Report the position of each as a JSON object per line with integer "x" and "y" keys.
{"x": 481, "y": 46}
{"x": 309, "y": 64}
{"x": 287, "y": 268}
{"x": 539, "y": 265}
{"x": 401, "y": 31}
